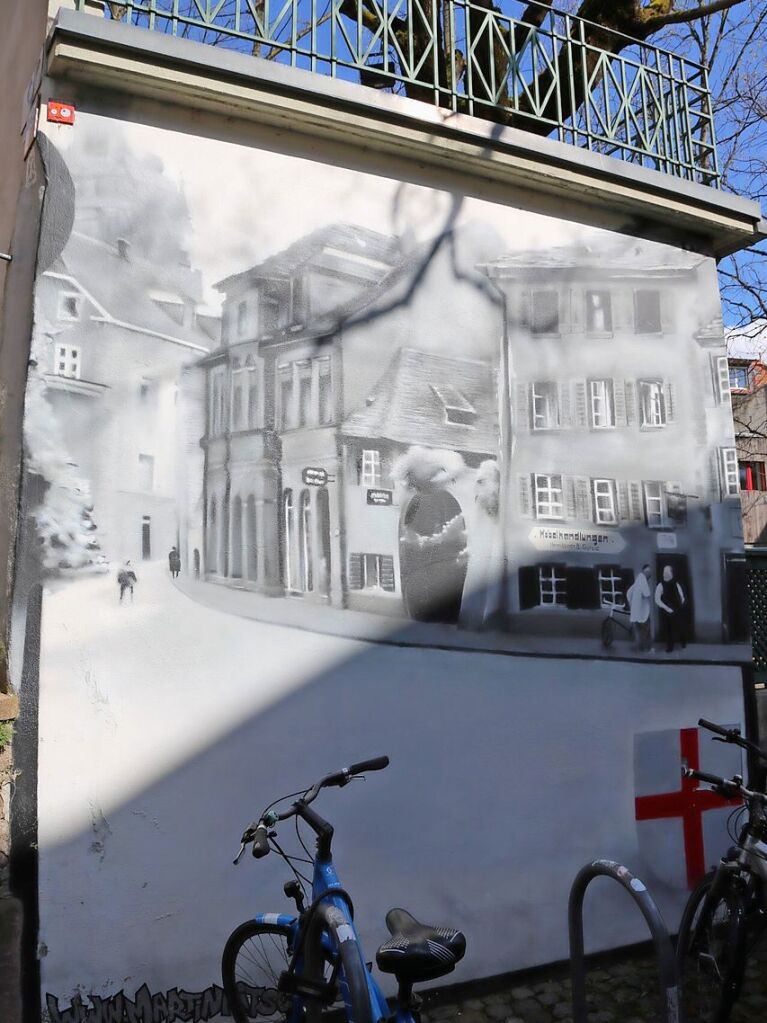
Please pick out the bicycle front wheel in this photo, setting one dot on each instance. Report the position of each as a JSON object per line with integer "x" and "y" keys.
{"x": 711, "y": 952}
{"x": 254, "y": 957}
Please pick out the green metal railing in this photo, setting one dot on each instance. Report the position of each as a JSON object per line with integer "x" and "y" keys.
{"x": 646, "y": 105}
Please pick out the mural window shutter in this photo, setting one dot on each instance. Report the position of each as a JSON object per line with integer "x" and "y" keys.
{"x": 529, "y": 587}
{"x": 387, "y": 572}
{"x": 521, "y": 407}
{"x": 624, "y": 510}
{"x": 630, "y": 396}
{"x": 581, "y": 410}
{"x": 619, "y": 403}
{"x": 669, "y": 401}
{"x": 355, "y": 571}
{"x": 636, "y": 504}
{"x": 582, "y": 589}
{"x": 583, "y": 503}
{"x": 525, "y": 496}
{"x": 676, "y": 503}
{"x": 571, "y": 506}
{"x": 565, "y": 408}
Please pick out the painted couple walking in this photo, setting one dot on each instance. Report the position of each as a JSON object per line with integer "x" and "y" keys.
{"x": 670, "y": 600}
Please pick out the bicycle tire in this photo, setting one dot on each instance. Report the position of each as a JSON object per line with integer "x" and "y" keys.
{"x": 711, "y": 971}
{"x": 241, "y": 984}
{"x": 608, "y": 633}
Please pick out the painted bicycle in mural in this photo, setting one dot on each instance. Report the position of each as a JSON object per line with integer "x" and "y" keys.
{"x": 295, "y": 966}
{"x": 725, "y": 917}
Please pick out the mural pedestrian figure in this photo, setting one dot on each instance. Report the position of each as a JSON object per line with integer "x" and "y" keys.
{"x": 126, "y": 579}
{"x": 670, "y": 600}
{"x": 174, "y": 562}
{"x": 638, "y": 597}
{"x": 482, "y": 590}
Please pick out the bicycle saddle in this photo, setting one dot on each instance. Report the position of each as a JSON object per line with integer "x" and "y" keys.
{"x": 417, "y": 952}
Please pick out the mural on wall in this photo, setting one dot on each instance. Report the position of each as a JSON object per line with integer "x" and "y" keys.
{"x": 548, "y": 447}
{"x": 303, "y": 456}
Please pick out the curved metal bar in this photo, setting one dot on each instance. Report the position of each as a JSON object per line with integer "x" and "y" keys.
{"x": 664, "y": 950}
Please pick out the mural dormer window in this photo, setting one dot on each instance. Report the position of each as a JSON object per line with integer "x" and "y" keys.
{"x": 651, "y": 403}
{"x": 242, "y": 318}
{"x": 647, "y": 312}
{"x": 544, "y": 399}
{"x": 740, "y": 378}
{"x": 545, "y": 312}
{"x": 602, "y": 404}
{"x": 304, "y": 372}
{"x": 67, "y": 362}
{"x": 370, "y": 475}
{"x": 275, "y": 296}
{"x": 70, "y": 305}
{"x": 458, "y": 410}
{"x": 599, "y": 313}
{"x": 325, "y": 384}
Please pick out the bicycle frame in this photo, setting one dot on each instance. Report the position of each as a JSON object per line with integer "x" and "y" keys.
{"x": 324, "y": 882}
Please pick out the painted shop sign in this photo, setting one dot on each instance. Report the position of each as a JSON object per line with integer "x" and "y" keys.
{"x": 666, "y": 541}
{"x": 314, "y": 477}
{"x": 380, "y": 497}
{"x": 557, "y": 538}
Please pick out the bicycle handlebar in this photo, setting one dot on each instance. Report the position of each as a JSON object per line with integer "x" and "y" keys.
{"x": 732, "y": 735}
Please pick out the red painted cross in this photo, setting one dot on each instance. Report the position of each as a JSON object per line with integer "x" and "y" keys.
{"x": 689, "y": 803}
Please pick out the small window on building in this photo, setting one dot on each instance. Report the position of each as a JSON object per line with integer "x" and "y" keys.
{"x": 599, "y": 312}
{"x": 721, "y": 377}
{"x": 252, "y": 377}
{"x": 549, "y": 499}
{"x": 146, "y": 473}
{"x": 730, "y": 472}
{"x": 275, "y": 298}
{"x": 552, "y": 583}
{"x": 304, "y": 372}
{"x": 647, "y": 312}
{"x": 370, "y": 475}
{"x": 70, "y": 305}
{"x": 740, "y": 378}
{"x": 752, "y": 476}
{"x": 545, "y": 312}
{"x": 611, "y": 589}
{"x": 285, "y": 391}
{"x": 651, "y": 403}
{"x": 544, "y": 398}
{"x": 602, "y": 403}
{"x": 242, "y": 318}
{"x": 458, "y": 410}
{"x": 67, "y": 361}
{"x": 325, "y": 390}
{"x": 655, "y": 504}
{"x": 605, "y": 513}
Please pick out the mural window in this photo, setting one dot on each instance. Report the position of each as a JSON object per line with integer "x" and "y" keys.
{"x": 371, "y": 475}
{"x": 611, "y": 587}
{"x": 544, "y": 398}
{"x": 552, "y": 586}
{"x": 371, "y": 572}
{"x": 647, "y": 319}
{"x": 545, "y": 312}
{"x": 305, "y": 542}
{"x": 752, "y": 476}
{"x": 651, "y": 403}
{"x": 599, "y": 312}
{"x": 252, "y": 392}
{"x": 285, "y": 391}
{"x": 238, "y": 384}
{"x": 304, "y": 373}
{"x": 730, "y": 472}
{"x": 739, "y": 378}
{"x": 275, "y": 296}
{"x": 602, "y": 402}
{"x": 146, "y": 473}
{"x": 655, "y": 504}
{"x": 458, "y": 410}
{"x": 549, "y": 499}
{"x": 217, "y": 404}
{"x": 721, "y": 378}
{"x": 67, "y": 362}
{"x": 70, "y": 305}
{"x": 242, "y": 318}
{"x": 325, "y": 390}
{"x": 605, "y": 512}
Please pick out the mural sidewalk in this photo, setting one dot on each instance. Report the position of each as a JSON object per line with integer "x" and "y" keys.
{"x": 297, "y": 613}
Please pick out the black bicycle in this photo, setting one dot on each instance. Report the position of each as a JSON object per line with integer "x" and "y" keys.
{"x": 726, "y": 913}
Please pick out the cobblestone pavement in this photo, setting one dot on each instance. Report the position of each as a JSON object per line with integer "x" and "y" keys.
{"x": 619, "y": 991}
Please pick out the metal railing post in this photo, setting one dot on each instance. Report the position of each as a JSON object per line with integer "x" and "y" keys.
{"x": 664, "y": 950}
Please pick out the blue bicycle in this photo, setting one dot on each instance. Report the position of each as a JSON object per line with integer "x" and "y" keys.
{"x": 293, "y": 968}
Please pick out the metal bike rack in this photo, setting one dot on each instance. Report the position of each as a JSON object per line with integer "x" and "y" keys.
{"x": 664, "y": 950}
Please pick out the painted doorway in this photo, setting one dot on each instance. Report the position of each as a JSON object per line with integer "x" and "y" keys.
{"x": 432, "y": 547}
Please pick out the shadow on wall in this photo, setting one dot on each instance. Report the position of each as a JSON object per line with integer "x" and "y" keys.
{"x": 506, "y": 775}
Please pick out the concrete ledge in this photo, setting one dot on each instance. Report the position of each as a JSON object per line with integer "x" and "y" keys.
{"x": 9, "y": 707}
{"x": 108, "y": 54}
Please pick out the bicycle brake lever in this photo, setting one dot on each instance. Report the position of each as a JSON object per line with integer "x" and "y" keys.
{"x": 239, "y": 855}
